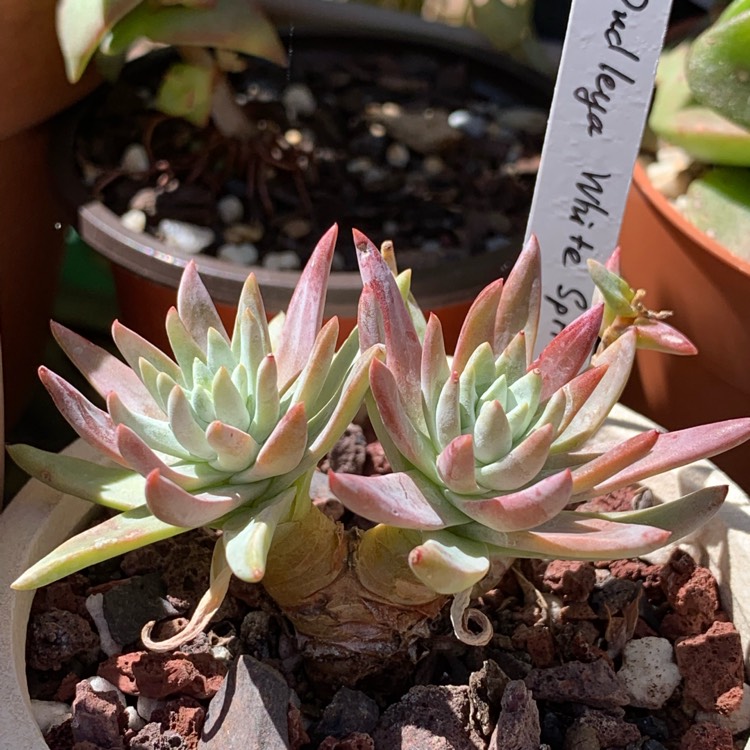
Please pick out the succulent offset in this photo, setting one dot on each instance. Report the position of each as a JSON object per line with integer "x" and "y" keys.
{"x": 489, "y": 447}
{"x": 224, "y": 435}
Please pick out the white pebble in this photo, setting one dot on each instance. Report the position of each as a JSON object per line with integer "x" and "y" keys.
{"x": 134, "y": 220}
{"x": 221, "y": 653}
{"x": 48, "y": 714}
{"x": 397, "y": 155}
{"x": 667, "y": 179}
{"x": 230, "y": 209}
{"x": 286, "y": 260}
{"x": 189, "y": 238}
{"x": 147, "y": 706}
{"x": 245, "y": 253}
{"x": 134, "y": 159}
{"x": 298, "y": 100}
{"x": 467, "y": 122}
{"x": 674, "y": 156}
{"x": 649, "y": 673}
{"x": 100, "y": 685}
{"x": 736, "y": 722}
{"x": 135, "y": 722}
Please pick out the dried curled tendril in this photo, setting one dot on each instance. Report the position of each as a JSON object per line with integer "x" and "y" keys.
{"x": 462, "y": 616}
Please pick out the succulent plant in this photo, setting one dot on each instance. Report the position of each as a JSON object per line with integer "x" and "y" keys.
{"x": 224, "y": 435}
{"x": 193, "y": 88}
{"x": 490, "y": 449}
{"x": 701, "y": 105}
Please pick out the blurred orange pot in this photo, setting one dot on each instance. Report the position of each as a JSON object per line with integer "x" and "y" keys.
{"x": 684, "y": 270}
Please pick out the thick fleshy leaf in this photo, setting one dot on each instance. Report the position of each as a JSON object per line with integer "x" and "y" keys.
{"x": 612, "y": 461}
{"x": 566, "y": 354}
{"x": 492, "y": 433}
{"x": 173, "y": 505}
{"x": 455, "y": 465}
{"x": 218, "y": 352}
{"x": 184, "y": 347}
{"x": 247, "y": 537}
{"x": 448, "y": 563}
{"x": 406, "y": 500}
{"x": 434, "y": 368}
{"x": 185, "y": 426}
{"x": 304, "y": 315}
{"x": 681, "y": 517}
{"x": 266, "y": 399}
{"x": 133, "y": 347}
{"x": 283, "y": 450}
{"x": 613, "y": 289}
{"x": 251, "y": 340}
{"x": 196, "y": 308}
{"x": 525, "y": 509}
{"x": 521, "y": 465}
{"x": 412, "y": 443}
{"x": 117, "y": 535}
{"x": 236, "y": 25}
{"x": 235, "y": 449}
{"x": 521, "y": 300}
{"x": 369, "y": 319}
{"x": 578, "y": 391}
{"x": 404, "y": 351}
{"x": 104, "y": 372}
{"x": 662, "y": 337}
{"x": 512, "y": 363}
{"x": 448, "y": 413}
{"x": 674, "y": 449}
{"x": 619, "y": 358}
{"x": 91, "y": 423}
{"x": 311, "y": 380}
{"x": 112, "y": 487}
{"x": 229, "y": 405}
{"x": 157, "y": 433}
{"x": 82, "y": 25}
{"x": 479, "y": 324}
{"x": 142, "y": 459}
{"x": 482, "y": 364}
{"x": 525, "y": 392}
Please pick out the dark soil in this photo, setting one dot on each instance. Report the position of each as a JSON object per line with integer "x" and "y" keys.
{"x": 548, "y": 674}
{"x": 434, "y": 151}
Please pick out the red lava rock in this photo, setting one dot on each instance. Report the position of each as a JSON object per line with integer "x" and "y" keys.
{"x": 486, "y": 688}
{"x": 154, "y": 737}
{"x": 376, "y": 461}
{"x": 56, "y": 636}
{"x": 711, "y": 665}
{"x": 538, "y": 642}
{"x": 66, "y": 690}
{"x": 184, "y": 716}
{"x": 592, "y": 684}
{"x": 578, "y": 611}
{"x": 623, "y": 499}
{"x": 298, "y": 737}
{"x": 60, "y": 737}
{"x": 162, "y": 675}
{"x": 692, "y": 592}
{"x": 571, "y": 579}
{"x": 349, "y": 711}
{"x": 354, "y": 741}
{"x": 349, "y": 453}
{"x": 68, "y": 594}
{"x": 705, "y": 736}
{"x": 611, "y": 731}
{"x": 518, "y": 724}
{"x": 429, "y": 717}
{"x": 98, "y": 718}
{"x": 576, "y": 641}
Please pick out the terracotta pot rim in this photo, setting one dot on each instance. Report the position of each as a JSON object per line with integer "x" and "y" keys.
{"x": 642, "y": 183}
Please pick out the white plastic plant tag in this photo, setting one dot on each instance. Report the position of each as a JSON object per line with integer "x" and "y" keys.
{"x": 599, "y": 108}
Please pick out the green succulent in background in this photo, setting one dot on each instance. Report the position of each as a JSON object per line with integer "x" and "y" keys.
{"x": 702, "y": 105}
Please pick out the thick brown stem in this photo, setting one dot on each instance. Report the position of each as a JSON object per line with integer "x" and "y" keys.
{"x": 351, "y": 596}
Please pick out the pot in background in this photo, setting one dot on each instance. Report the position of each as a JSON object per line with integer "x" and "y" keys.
{"x": 708, "y": 288}
{"x": 147, "y": 271}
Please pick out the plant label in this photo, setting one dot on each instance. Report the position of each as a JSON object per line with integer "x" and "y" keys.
{"x": 599, "y": 108}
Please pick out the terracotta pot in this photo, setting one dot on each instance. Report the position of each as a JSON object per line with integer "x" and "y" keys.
{"x": 684, "y": 270}
{"x": 147, "y": 271}
{"x": 32, "y": 88}
{"x": 39, "y": 518}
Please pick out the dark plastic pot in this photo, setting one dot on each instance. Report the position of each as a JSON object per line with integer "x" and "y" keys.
{"x": 147, "y": 271}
